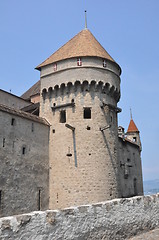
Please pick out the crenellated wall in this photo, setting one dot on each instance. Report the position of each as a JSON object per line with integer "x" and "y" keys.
{"x": 112, "y": 220}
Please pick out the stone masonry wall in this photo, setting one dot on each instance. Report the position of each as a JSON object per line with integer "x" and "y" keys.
{"x": 24, "y": 164}
{"x": 115, "y": 219}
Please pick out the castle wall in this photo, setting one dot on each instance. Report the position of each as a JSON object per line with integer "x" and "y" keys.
{"x": 24, "y": 171}
{"x": 130, "y": 168}
{"x": 12, "y": 101}
{"x": 111, "y": 220}
{"x": 83, "y": 163}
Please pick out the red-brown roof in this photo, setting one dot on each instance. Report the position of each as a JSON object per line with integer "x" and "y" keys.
{"x": 35, "y": 89}
{"x": 82, "y": 45}
{"x": 132, "y": 127}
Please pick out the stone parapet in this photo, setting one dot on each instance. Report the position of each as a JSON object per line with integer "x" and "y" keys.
{"x": 115, "y": 219}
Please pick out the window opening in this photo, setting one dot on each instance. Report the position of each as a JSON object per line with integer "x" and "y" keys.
{"x": 134, "y": 139}
{"x": 53, "y": 130}
{"x": 3, "y": 142}
{"x": 104, "y": 63}
{"x": 79, "y": 62}
{"x": 39, "y": 199}
{"x": 63, "y": 116}
{"x": 0, "y": 198}
{"x": 135, "y": 186}
{"x": 88, "y": 128}
{"x": 87, "y": 113}
{"x": 13, "y": 121}
{"x": 23, "y": 150}
{"x": 57, "y": 198}
{"x": 55, "y": 66}
{"x": 32, "y": 127}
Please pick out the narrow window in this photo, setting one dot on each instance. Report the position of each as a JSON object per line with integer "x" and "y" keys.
{"x": 39, "y": 200}
{"x": 79, "y": 62}
{"x": 87, "y": 113}
{"x": 13, "y": 121}
{"x": 55, "y": 67}
{"x": 53, "y": 130}
{"x": 0, "y": 198}
{"x": 135, "y": 186}
{"x": 63, "y": 116}
{"x": 23, "y": 150}
{"x": 32, "y": 127}
{"x": 3, "y": 142}
{"x": 104, "y": 63}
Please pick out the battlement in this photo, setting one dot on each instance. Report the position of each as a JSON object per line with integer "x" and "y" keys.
{"x": 82, "y": 87}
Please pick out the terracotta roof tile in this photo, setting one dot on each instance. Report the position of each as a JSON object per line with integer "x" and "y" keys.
{"x": 132, "y": 127}
{"x": 82, "y": 45}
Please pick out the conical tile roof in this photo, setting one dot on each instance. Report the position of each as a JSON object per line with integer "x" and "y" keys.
{"x": 82, "y": 45}
{"x": 132, "y": 127}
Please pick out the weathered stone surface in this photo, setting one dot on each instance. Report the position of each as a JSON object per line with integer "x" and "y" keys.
{"x": 111, "y": 220}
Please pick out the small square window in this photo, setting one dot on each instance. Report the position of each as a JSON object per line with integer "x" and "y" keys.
{"x": 134, "y": 139}
{"x": 87, "y": 113}
{"x": 55, "y": 66}
{"x": 63, "y": 116}
{"x": 79, "y": 62}
{"x": 104, "y": 63}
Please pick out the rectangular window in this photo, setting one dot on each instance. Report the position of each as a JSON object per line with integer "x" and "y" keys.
{"x": 87, "y": 113}
{"x": 63, "y": 116}
{"x": 0, "y": 198}
{"x": 134, "y": 139}
{"x": 79, "y": 62}
{"x": 23, "y": 150}
{"x": 55, "y": 67}
{"x": 3, "y": 142}
{"x": 13, "y": 121}
{"x": 104, "y": 63}
{"x": 39, "y": 199}
{"x": 32, "y": 127}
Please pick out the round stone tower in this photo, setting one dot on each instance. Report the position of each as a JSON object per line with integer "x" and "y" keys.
{"x": 80, "y": 88}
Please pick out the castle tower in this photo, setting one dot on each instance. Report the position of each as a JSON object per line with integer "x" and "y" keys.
{"x": 133, "y": 133}
{"x": 80, "y": 89}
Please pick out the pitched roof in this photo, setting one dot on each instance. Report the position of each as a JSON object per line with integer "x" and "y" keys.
{"x": 132, "y": 127}
{"x": 84, "y": 44}
{"x": 35, "y": 89}
{"x": 23, "y": 114}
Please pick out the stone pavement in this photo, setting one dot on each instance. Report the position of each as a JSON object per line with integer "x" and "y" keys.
{"x": 151, "y": 235}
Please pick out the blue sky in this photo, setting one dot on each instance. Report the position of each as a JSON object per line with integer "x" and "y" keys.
{"x": 32, "y": 30}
